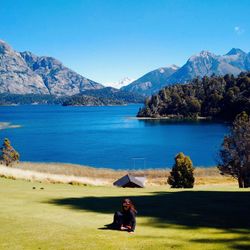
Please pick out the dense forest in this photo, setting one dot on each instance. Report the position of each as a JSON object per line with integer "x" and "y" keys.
{"x": 215, "y": 97}
{"x": 10, "y": 99}
{"x": 75, "y": 100}
{"x": 115, "y": 94}
{"x": 100, "y": 97}
{"x": 83, "y": 100}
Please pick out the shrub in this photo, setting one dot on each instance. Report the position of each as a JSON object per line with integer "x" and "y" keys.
{"x": 9, "y": 155}
{"x": 181, "y": 175}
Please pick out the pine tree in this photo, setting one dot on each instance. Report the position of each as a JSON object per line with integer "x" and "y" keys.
{"x": 9, "y": 154}
{"x": 181, "y": 175}
{"x": 235, "y": 151}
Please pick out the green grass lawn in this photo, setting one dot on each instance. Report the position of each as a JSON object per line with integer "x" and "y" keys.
{"x": 71, "y": 217}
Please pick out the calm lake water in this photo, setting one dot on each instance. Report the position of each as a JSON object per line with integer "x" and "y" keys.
{"x": 108, "y": 137}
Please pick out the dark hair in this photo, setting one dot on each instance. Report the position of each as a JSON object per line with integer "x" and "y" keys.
{"x": 130, "y": 204}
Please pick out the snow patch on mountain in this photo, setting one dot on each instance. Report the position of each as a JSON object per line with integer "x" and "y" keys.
{"x": 122, "y": 83}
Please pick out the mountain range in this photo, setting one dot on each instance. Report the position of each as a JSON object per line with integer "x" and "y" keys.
{"x": 203, "y": 64}
{"x": 152, "y": 81}
{"x": 26, "y": 73}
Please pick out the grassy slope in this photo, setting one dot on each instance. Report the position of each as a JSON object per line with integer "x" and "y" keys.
{"x": 68, "y": 217}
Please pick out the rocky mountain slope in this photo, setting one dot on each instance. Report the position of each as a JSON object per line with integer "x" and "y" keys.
{"x": 59, "y": 79}
{"x": 207, "y": 63}
{"x": 15, "y": 75}
{"x": 152, "y": 81}
{"x": 26, "y": 73}
{"x": 204, "y": 63}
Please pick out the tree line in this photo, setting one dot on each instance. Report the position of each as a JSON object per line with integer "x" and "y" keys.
{"x": 105, "y": 96}
{"x": 215, "y": 97}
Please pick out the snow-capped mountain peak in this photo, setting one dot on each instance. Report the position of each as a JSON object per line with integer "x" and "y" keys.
{"x": 173, "y": 66}
{"x": 203, "y": 54}
{"x": 123, "y": 82}
{"x": 170, "y": 67}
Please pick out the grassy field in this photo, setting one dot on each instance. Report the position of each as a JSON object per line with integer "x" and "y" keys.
{"x": 59, "y": 216}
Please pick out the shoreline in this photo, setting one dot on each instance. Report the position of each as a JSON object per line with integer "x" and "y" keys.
{"x": 83, "y": 166}
{"x": 84, "y": 175}
{"x": 6, "y": 125}
{"x": 200, "y": 118}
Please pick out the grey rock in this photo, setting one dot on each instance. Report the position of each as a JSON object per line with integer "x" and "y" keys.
{"x": 26, "y": 73}
{"x": 248, "y": 62}
{"x": 59, "y": 79}
{"x": 152, "y": 81}
{"x": 203, "y": 64}
{"x": 237, "y": 58}
{"x": 15, "y": 75}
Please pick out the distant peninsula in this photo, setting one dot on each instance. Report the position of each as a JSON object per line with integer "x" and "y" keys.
{"x": 215, "y": 97}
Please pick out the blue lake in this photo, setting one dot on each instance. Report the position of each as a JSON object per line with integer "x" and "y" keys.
{"x": 108, "y": 137}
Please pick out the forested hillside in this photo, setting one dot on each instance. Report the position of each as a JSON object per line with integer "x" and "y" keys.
{"x": 115, "y": 94}
{"x": 211, "y": 97}
{"x": 84, "y": 100}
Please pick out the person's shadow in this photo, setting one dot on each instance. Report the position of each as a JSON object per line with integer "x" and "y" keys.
{"x": 108, "y": 227}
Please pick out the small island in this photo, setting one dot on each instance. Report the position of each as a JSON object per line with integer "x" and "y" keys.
{"x": 83, "y": 100}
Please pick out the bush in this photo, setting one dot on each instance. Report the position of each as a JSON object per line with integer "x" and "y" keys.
{"x": 9, "y": 154}
{"x": 181, "y": 175}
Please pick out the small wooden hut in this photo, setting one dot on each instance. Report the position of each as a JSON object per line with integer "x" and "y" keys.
{"x": 130, "y": 181}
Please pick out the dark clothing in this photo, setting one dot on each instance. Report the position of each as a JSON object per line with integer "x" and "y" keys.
{"x": 124, "y": 218}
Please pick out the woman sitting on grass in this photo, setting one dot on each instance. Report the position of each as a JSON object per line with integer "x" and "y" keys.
{"x": 124, "y": 220}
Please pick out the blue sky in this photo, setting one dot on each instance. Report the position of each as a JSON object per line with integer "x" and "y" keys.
{"x": 106, "y": 40}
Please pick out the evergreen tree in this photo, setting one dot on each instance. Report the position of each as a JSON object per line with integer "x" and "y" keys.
{"x": 181, "y": 175}
{"x": 235, "y": 151}
{"x": 9, "y": 154}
